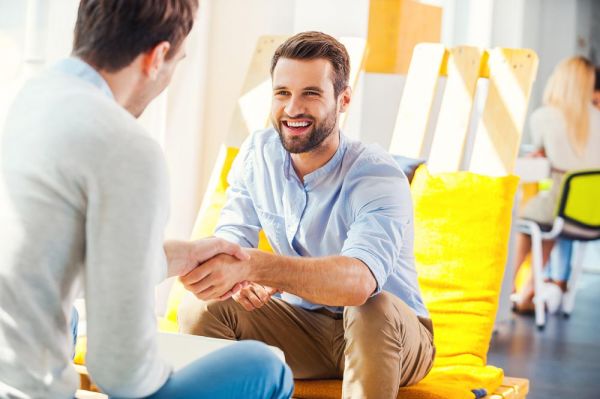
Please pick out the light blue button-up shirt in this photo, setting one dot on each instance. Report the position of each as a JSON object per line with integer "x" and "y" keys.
{"x": 358, "y": 205}
{"x": 76, "y": 67}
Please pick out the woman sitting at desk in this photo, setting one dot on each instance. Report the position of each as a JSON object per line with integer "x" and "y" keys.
{"x": 566, "y": 130}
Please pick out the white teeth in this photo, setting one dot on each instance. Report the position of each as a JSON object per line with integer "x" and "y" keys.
{"x": 297, "y": 124}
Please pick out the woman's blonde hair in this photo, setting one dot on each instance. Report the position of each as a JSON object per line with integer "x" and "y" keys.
{"x": 570, "y": 89}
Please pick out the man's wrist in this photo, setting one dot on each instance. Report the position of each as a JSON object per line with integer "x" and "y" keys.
{"x": 255, "y": 264}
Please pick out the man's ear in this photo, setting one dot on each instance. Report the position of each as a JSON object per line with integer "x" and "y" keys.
{"x": 154, "y": 58}
{"x": 344, "y": 99}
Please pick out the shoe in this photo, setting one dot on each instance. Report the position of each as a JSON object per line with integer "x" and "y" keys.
{"x": 522, "y": 306}
{"x": 552, "y": 297}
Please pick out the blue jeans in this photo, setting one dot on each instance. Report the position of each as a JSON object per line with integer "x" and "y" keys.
{"x": 559, "y": 265}
{"x": 248, "y": 369}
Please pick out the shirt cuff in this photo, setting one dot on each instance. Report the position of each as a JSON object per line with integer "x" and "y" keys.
{"x": 231, "y": 237}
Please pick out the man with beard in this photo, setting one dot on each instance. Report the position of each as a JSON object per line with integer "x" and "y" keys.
{"x": 339, "y": 296}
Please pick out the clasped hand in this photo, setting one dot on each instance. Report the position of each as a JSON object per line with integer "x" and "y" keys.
{"x": 222, "y": 270}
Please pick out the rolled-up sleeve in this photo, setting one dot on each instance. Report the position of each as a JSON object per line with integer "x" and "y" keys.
{"x": 238, "y": 221}
{"x": 383, "y": 213}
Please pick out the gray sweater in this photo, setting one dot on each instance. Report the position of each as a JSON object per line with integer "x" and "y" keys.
{"x": 83, "y": 205}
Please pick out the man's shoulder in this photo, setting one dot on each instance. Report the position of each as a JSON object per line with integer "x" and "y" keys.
{"x": 65, "y": 113}
{"x": 370, "y": 158}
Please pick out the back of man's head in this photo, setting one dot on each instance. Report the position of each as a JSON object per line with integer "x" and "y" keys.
{"x": 110, "y": 34}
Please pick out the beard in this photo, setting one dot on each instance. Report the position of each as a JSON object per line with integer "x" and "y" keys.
{"x": 312, "y": 139}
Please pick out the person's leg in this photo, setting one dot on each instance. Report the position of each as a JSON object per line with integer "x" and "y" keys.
{"x": 560, "y": 263}
{"x": 74, "y": 327}
{"x": 522, "y": 249}
{"x": 527, "y": 292}
{"x": 247, "y": 369}
{"x": 387, "y": 347}
{"x": 305, "y": 337}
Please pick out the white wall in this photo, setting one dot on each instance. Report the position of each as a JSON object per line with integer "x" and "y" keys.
{"x": 235, "y": 26}
{"x": 555, "y": 29}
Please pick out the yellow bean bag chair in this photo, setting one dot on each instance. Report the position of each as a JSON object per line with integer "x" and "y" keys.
{"x": 462, "y": 227}
{"x": 462, "y": 224}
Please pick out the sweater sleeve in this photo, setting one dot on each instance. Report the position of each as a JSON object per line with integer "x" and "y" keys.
{"x": 127, "y": 210}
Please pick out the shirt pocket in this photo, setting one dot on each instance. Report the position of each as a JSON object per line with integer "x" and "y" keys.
{"x": 274, "y": 228}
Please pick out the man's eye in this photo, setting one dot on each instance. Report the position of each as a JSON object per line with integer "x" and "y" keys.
{"x": 312, "y": 93}
{"x": 281, "y": 93}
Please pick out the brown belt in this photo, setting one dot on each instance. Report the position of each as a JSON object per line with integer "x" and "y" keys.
{"x": 329, "y": 313}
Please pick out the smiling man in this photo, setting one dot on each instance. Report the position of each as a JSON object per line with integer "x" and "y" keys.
{"x": 339, "y": 296}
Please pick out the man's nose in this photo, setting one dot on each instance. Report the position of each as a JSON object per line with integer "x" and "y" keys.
{"x": 294, "y": 106}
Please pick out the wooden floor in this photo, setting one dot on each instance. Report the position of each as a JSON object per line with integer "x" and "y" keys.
{"x": 563, "y": 361}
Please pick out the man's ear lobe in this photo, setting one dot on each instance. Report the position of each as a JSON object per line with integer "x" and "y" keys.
{"x": 154, "y": 59}
{"x": 345, "y": 97}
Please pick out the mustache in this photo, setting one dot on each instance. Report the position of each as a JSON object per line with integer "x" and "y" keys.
{"x": 298, "y": 116}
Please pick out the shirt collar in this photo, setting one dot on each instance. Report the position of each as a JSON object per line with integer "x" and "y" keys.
{"x": 77, "y": 67}
{"x": 312, "y": 179}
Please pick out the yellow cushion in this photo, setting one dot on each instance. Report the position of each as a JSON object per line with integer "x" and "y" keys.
{"x": 462, "y": 227}
{"x": 205, "y": 227}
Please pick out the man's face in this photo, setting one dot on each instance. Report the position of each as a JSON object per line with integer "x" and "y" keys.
{"x": 305, "y": 110}
{"x": 152, "y": 87}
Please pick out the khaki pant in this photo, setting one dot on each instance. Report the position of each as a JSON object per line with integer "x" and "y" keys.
{"x": 375, "y": 348}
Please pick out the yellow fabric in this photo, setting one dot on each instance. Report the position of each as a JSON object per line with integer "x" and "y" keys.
{"x": 581, "y": 205}
{"x": 80, "y": 350}
{"x": 523, "y": 275}
{"x": 462, "y": 226}
{"x": 205, "y": 227}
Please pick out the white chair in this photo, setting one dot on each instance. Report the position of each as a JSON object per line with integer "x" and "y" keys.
{"x": 577, "y": 218}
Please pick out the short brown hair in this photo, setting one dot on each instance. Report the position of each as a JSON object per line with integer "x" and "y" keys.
{"x": 110, "y": 34}
{"x": 313, "y": 45}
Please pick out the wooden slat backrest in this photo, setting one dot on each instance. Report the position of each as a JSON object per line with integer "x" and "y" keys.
{"x": 511, "y": 73}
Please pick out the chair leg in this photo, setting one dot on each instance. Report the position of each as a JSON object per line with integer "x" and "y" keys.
{"x": 576, "y": 271}
{"x": 538, "y": 278}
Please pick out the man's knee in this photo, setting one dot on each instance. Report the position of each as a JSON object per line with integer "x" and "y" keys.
{"x": 276, "y": 376}
{"x": 378, "y": 314}
{"x": 199, "y": 317}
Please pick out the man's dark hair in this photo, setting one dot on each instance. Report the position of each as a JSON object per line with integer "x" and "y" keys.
{"x": 313, "y": 45}
{"x": 110, "y": 34}
{"x": 597, "y": 81}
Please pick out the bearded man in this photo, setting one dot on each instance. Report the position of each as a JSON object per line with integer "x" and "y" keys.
{"x": 339, "y": 295}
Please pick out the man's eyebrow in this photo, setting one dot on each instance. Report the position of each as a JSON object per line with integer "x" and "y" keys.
{"x": 314, "y": 88}
{"x": 309, "y": 88}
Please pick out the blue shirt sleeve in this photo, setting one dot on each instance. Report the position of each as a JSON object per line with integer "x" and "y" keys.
{"x": 381, "y": 202}
{"x": 239, "y": 222}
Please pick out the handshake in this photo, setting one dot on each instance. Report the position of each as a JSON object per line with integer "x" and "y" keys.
{"x": 213, "y": 268}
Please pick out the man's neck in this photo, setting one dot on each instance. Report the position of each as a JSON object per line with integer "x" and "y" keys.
{"x": 123, "y": 90}
{"x": 307, "y": 162}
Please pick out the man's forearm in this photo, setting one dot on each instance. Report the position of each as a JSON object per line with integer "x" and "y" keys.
{"x": 332, "y": 280}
